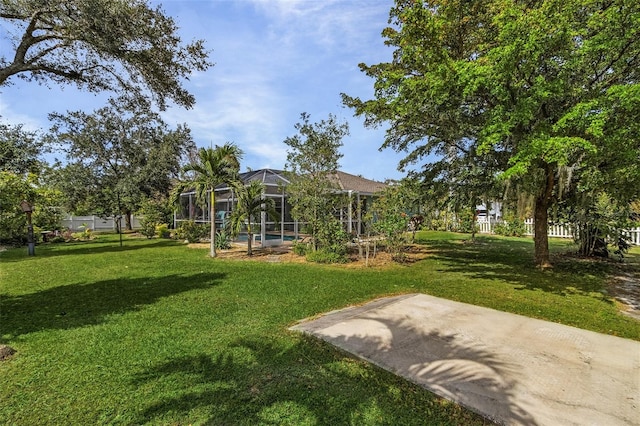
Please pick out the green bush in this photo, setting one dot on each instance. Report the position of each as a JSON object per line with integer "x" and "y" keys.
{"x": 147, "y": 228}
{"x": 466, "y": 223}
{"x": 517, "y": 228}
{"x": 155, "y": 214}
{"x": 162, "y": 230}
{"x": 332, "y": 237}
{"x": 324, "y": 255}
{"x": 510, "y": 228}
{"x": 192, "y": 231}
{"x": 85, "y": 235}
{"x": 501, "y": 228}
{"x": 300, "y": 248}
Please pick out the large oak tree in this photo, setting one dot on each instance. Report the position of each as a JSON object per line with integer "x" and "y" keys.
{"x": 533, "y": 82}
{"x": 118, "y": 156}
{"x": 118, "y": 45}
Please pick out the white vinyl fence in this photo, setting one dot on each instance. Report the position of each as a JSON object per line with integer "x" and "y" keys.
{"x": 79, "y": 223}
{"x": 558, "y": 231}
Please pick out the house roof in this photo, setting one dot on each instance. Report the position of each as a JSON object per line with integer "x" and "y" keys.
{"x": 349, "y": 182}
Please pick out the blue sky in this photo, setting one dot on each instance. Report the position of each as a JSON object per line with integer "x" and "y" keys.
{"x": 274, "y": 60}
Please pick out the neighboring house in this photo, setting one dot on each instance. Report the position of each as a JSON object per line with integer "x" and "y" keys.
{"x": 359, "y": 190}
{"x": 493, "y": 214}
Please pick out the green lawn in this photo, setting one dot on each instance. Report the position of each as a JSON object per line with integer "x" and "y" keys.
{"x": 158, "y": 333}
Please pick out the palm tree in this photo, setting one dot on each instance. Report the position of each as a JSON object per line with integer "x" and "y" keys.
{"x": 250, "y": 204}
{"x": 214, "y": 166}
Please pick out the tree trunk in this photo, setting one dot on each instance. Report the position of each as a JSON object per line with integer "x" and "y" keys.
{"x": 249, "y": 238}
{"x": 212, "y": 217}
{"x": 541, "y": 219}
{"x": 127, "y": 220}
{"x": 474, "y": 220}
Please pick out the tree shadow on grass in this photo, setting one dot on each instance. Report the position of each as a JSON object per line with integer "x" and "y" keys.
{"x": 308, "y": 382}
{"x": 83, "y": 248}
{"x": 511, "y": 262}
{"x": 79, "y": 305}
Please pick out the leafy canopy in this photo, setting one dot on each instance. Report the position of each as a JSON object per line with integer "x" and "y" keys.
{"x": 118, "y": 156}
{"x": 20, "y": 149}
{"x": 530, "y": 84}
{"x": 117, "y": 45}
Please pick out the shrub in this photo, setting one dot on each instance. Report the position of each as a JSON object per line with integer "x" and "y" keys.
{"x": 191, "y": 231}
{"x": 67, "y": 234}
{"x": 510, "y": 228}
{"x": 325, "y": 255}
{"x": 466, "y": 223}
{"x": 393, "y": 227}
{"x": 148, "y": 228}
{"x": 517, "y": 228}
{"x": 300, "y": 248}
{"x": 332, "y": 237}
{"x": 501, "y": 228}
{"x": 85, "y": 235}
{"x": 155, "y": 213}
{"x": 162, "y": 230}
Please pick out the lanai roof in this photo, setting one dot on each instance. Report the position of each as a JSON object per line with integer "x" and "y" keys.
{"x": 344, "y": 181}
{"x": 266, "y": 176}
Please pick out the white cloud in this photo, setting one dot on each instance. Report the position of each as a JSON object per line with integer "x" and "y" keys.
{"x": 244, "y": 109}
{"x": 9, "y": 116}
{"x": 327, "y": 24}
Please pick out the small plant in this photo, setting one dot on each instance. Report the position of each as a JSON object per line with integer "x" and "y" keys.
{"x": 67, "y": 234}
{"x": 85, "y": 235}
{"x": 162, "y": 230}
{"x": 223, "y": 240}
{"x": 512, "y": 227}
{"x": 191, "y": 231}
{"x": 148, "y": 228}
{"x": 300, "y": 248}
{"x": 466, "y": 223}
{"x": 325, "y": 255}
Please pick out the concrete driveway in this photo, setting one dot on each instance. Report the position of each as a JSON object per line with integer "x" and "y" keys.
{"x": 509, "y": 368}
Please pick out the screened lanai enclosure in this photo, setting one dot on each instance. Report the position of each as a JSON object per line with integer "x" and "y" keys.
{"x": 358, "y": 191}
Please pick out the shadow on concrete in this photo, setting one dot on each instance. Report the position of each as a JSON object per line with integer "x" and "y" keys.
{"x": 444, "y": 364}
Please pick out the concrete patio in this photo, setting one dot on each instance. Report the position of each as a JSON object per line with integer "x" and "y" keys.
{"x": 511, "y": 369}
